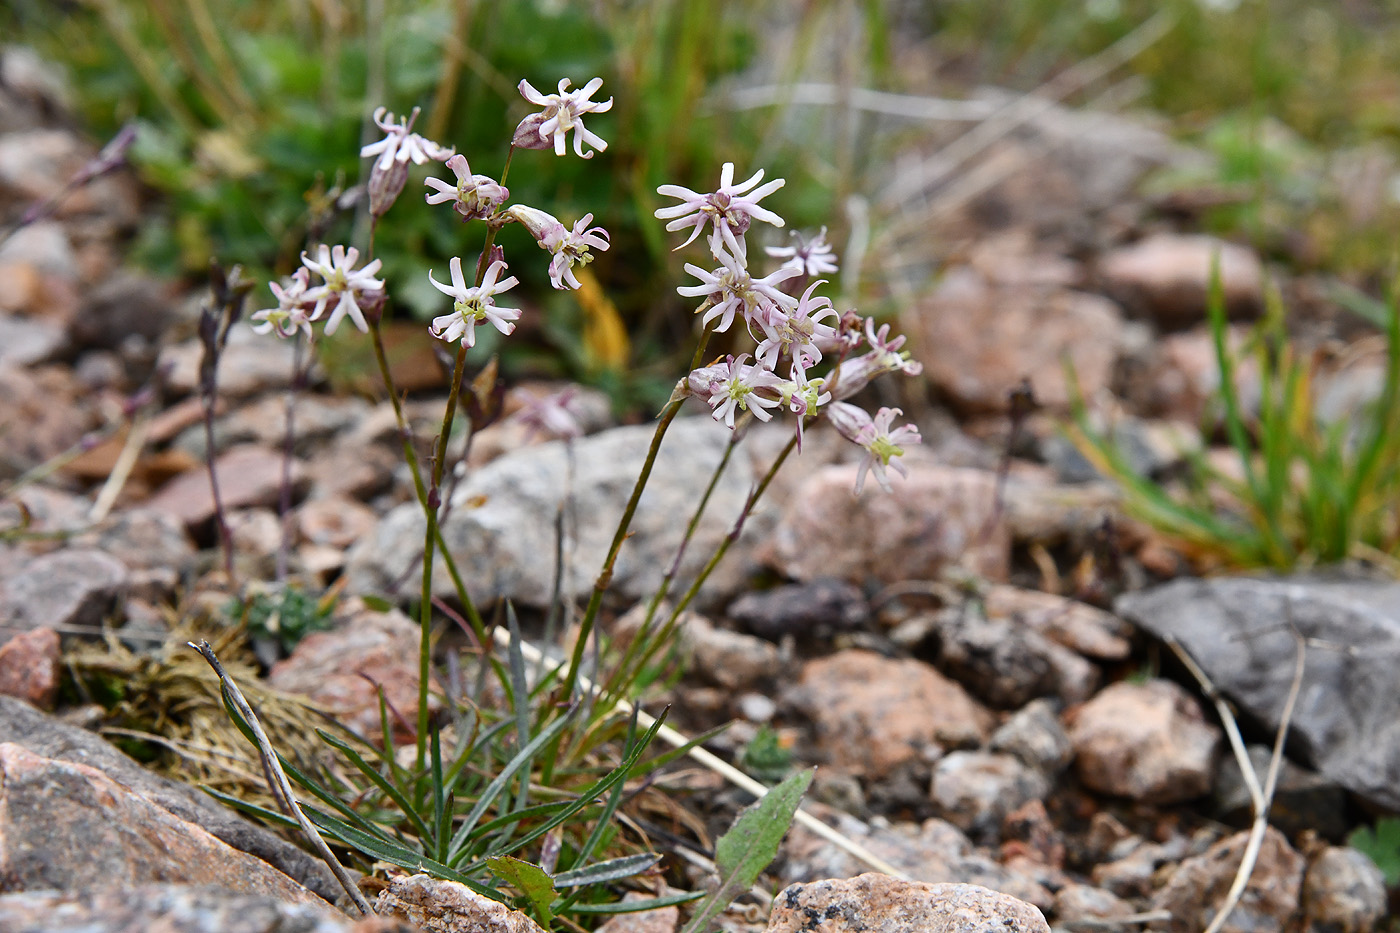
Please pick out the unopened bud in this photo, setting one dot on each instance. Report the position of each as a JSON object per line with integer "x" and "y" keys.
{"x": 385, "y": 186}
{"x": 527, "y": 134}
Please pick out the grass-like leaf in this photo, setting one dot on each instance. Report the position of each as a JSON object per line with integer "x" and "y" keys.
{"x": 611, "y": 870}
{"x": 488, "y": 795}
{"x": 628, "y": 907}
{"x": 379, "y": 781}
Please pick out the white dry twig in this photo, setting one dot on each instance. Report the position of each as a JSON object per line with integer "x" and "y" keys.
{"x": 730, "y": 773}
{"x": 281, "y": 786}
{"x": 1261, "y": 797}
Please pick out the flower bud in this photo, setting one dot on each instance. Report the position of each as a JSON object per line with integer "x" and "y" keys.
{"x": 384, "y": 186}
{"x": 527, "y": 134}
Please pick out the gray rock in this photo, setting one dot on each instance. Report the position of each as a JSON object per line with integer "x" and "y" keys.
{"x": 164, "y": 907}
{"x": 873, "y": 714}
{"x": 1034, "y": 735}
{"x": 70, "y": 827}
{"x": 976, "y": 790}
{"x": 125, "y": 305}
{"x": 816, "y": 609}
{"x": 70, "y": 588}
{"x": 1167, "y": 277}
{"x": 1131, "y": 874}
{"x": 936, "y": 518}
{"x": 143, "y": 539}
{"x": 1037, "y": 512}
{"x": 890, "y": 905}
{"x": 1347, "y": 721}
{"x": 1003, "y": 663}
{"x": 43, "y": 412}
{"x": 501, "y": 529}
{"x": 1303, "y": 799}
{"x": 251, "y": 363}
{"x": 52, "y": 738}
{"x": 43, "y": 244}
{"x": 449, "y": 907}
{"x": 1148, "y": 742}
{"x": 933, "y": 851}
{"x": 26, "y": 340}
{"x": 1085, "y": 902}
{"x": 978, "y": 341}
{"x": 1078, "y": 626}
{"x": 1343, "y": 892}
{"x": 248, "y": 476}
{"x": 731, "y": 660}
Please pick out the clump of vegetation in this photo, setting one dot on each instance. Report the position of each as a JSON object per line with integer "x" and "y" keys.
{"x": 515, "y": 796}
{"x": 1303, "y": 491}
{"x": 283, "y": 615}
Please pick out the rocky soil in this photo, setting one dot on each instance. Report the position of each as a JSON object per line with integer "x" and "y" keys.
{"x": 975, "y": 662}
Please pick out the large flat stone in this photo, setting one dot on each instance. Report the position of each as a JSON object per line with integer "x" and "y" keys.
{"x": 1347, "y": 720}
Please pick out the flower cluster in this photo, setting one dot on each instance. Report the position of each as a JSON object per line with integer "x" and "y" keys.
{"x": 793, "y": 333}
{"x": 344, "y": 292}
{"x": 796, "y": 332}
{"x": 348, "y": 292}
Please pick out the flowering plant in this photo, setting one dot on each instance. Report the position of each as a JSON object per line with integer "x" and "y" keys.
{"x": 806, "y": 362}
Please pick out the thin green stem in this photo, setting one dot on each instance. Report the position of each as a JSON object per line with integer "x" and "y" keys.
{"x": 431, "y": 533}
{"x": 734, "y": 532}
{"x": 620, "y": 675}
{"x": 600, "y": 586}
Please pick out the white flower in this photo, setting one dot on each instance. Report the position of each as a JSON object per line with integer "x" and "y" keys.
{"x": 571, "y": 248}
{"x": 810, "y": 257}
{"x": 343, "y": 282}
{"x": 400, "y": 144}
{"x": 563, "y": 112}
{"x": 884, "y": 356}
{"x": 732, "y": 386}
{"x": 880, "y": 443}
{"x": 567, "y": 248}
{"x": 729, "y": 209}
{"x": 471, "y": 305}
{"x": 796, "y": 333}
{"x": 803, "y": 397}
{"x": 473, "y": 196}
{"x": 291, "y": 313}
{"x": 730, "y": 289}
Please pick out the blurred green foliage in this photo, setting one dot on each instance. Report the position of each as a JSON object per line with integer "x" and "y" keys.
{"x": 1382, "y": 844}
{"x": 1303, "y": 488}
{"x": 252, "y": 123}
{"x": 253, "y": 117}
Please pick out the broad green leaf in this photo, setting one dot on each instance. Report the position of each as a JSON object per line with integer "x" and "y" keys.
{"x": 751, "y": 845}
{"x": 530, "y": 880}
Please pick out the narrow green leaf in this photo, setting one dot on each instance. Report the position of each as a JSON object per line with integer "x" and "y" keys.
{"x": 627, "y": 907}
{"x": 610, "y": 870}
{"x": 499, "y": 783}
{"x": 594, "y": 791}
{"x": 614, "y": 800}
{"x": 272, "y": 816}
{"x": 383, "y": 783}
{"x": 393, "y": 853}
{"x": 750, "y": 846}
{"x": 442, "y": 811}
{"x": 530, "y": 880}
